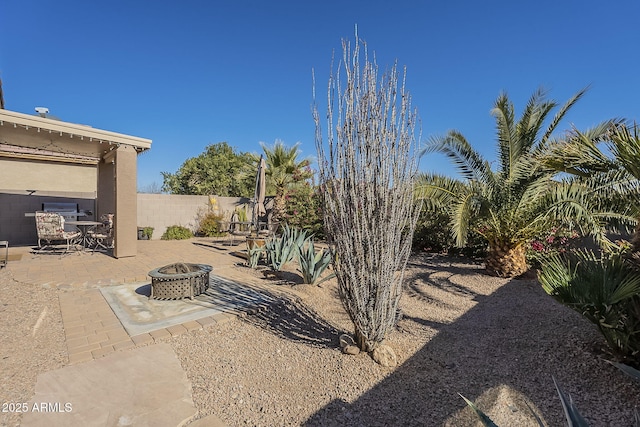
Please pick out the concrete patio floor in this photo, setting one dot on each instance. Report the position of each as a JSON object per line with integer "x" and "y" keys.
{"x": 95, "y": 327}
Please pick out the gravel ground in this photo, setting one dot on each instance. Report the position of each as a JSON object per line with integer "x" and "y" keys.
{"x": 496, "y": 341}
{"x": 31, "y": 341}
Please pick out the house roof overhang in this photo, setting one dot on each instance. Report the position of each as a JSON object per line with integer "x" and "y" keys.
{"x": 42, "y": 138}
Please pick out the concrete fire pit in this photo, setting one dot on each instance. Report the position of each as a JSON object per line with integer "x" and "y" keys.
{"x": 179, "y": 280}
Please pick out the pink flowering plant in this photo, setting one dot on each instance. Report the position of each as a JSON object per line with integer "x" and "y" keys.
{"x": 556, "y": 240}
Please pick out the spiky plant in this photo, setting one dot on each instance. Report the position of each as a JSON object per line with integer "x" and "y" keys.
{"x": 313, "y": 264}
{"x": 367, "y": 171}
{"x": 520, "y": 199}
{"x": 609, "y": 161}
{"x": 605, "y": 290}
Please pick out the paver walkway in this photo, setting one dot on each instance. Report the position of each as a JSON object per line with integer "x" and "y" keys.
{"x": 145, "y": 387}
{"x": 92, "y": 330}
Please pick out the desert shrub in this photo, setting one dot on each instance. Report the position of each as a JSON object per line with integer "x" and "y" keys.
{"x": 303, "y": 209}
{"x": 241, "y": 213}
{"x": 367, "y": 165}
{"x": 433, "y": 234}
{"x": 145, "y": 232}
{"x": 210, "y": 225}
{"x": 605, "y": 290}
{"x": 177, "y": 232}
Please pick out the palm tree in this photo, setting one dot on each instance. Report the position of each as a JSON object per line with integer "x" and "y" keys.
{"x": 614, "y": 173}
{"x": 513, "y": 204}
{"x": 284, "y": 170}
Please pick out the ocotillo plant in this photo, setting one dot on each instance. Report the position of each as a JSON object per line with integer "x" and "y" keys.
{"x": 367, "y": 168}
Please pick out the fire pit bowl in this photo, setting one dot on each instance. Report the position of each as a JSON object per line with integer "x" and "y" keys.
{"x": 179, "y": 280}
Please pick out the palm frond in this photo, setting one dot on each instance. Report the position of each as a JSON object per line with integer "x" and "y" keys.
{"x": 469, "y": 162}
{"x": 462, "y": 213}
{"x": 531, "y": 121}
{"x": 578, "y": 153}
{"x": 561, "y": 113}
{"x": 625, "y": 145}
{"x": 438, "y": 190}
{"x": 503, "y": 112}
{"x": 570, "y": 202}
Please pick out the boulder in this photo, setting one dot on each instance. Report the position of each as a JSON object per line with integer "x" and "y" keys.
{"x": 384, "y": 355}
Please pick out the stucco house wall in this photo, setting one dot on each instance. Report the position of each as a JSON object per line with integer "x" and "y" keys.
{"x": 22, "y": 175}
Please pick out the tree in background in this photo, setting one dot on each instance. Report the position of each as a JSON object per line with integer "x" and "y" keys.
{"x": 153, "y": 188}
{"x": 284, "y": 172}
{"x": 219, "y": 170}
{"x": 303, "y": 210}
{"x": 367, "y": 172}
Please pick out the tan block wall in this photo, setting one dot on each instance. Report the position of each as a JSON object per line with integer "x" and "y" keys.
{"x": 164, "y": 210}
{"x": 153, "y": 210}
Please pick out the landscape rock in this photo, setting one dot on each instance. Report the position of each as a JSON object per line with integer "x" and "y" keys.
{"x": 384, "y": 355}
{"x": 351, "y": 349}
{"x": 346, "y": 340}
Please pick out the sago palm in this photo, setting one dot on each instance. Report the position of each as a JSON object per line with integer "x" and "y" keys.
{"x": 512, "y": 204}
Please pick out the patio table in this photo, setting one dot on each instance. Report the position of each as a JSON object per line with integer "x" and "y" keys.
{"x": 84, "y": 227}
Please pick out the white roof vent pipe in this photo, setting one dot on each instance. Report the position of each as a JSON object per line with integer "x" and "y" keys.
{"x": 42, "y": 111}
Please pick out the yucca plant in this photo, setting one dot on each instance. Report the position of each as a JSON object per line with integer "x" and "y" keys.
{"x": 573, "y": 416}
{"x": 606, "y": 290}
{"x": 313, "y": 264}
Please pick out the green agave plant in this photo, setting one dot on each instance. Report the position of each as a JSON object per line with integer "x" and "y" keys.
{"x": 285, "y": 248}
{"x": 313, "y": 264}
{"x": 254, "y": 256}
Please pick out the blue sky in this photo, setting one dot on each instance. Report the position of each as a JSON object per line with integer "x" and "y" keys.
{"x": 192, "y": 73}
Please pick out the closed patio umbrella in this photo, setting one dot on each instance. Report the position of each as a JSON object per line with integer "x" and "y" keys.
{"x": 259, "y": 195}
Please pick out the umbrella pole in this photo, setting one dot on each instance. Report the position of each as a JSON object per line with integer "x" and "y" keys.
{"x": 254, "y": 220}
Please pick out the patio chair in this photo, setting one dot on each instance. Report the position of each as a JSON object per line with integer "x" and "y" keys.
{"x": 238, "y": 228}
{"x": 102, "y": 236}
{"x": 268, "y": 228}
{"x": 4, "y": 258}
{"x": 50, "y": 228}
